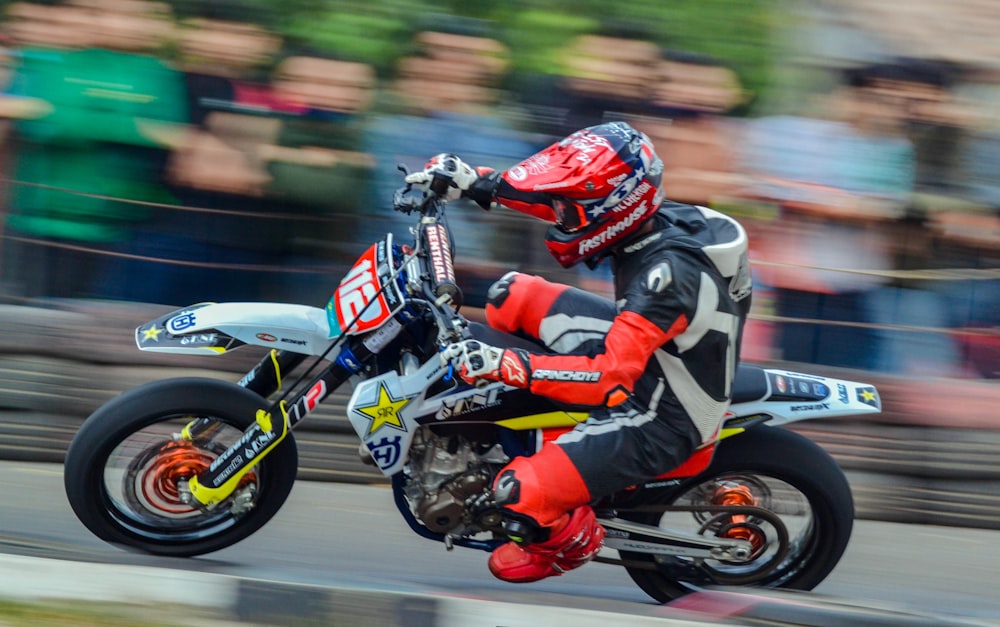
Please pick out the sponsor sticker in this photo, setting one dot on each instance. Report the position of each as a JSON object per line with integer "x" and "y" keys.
{"x": 646, "y": 241}
{"x": 813, "y": 407}
{"x": 614, "y": 230}
{"x": 201, "y": 338}
{"x": 584, "y": 376}
{"x": 440, "y": 252}
{"x": 868, "y": 396}
{"x": 384, "y": 412}
{"x": 152, "y": 333}
{"x": 457, "y": 406}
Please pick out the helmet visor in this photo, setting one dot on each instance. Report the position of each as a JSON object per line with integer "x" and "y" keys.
{"x": 570, "y": 215}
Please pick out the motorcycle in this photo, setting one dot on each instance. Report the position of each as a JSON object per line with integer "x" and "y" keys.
{"x": 187, "y": 466}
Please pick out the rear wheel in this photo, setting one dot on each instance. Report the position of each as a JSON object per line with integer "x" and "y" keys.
{"x": 126, "y": 469}
{"x": 808, "y": 522}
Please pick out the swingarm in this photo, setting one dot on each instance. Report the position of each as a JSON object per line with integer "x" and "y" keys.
{"x": 624, "y": 535}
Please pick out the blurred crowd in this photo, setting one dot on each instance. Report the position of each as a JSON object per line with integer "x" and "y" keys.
{"x": 164, "y": 160}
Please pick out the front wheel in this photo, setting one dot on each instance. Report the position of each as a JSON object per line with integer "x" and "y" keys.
{"x": 808, "y": 522}
{"x": 125, "y": 469}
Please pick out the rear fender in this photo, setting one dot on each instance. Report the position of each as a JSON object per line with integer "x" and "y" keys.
{"x": 216, "y": 328}
{"x": 794, "y": 396}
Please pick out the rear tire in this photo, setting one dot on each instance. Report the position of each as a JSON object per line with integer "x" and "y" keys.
{"x": 122, "y": 468}
{"x": 775, "y": 465}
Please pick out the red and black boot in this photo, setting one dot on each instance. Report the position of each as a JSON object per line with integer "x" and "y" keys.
{"x": 572, "y": 543}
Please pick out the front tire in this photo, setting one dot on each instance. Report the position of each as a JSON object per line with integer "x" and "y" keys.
{"x": 769, "y": 467}
{"x": 124, "y": 469}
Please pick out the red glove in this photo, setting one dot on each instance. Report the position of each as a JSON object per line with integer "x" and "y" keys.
{"x": 476, "y": 362}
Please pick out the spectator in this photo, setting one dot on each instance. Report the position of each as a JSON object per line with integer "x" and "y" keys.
{"x": 597, "y": 78}
{"x": 600, "y": 77}
{"x": 215, "y": 165}
{"x": 968, "y": 236}
{"x": 838, "y": 182}
{"x": 446, "y": 97}
{"x": 86, "y": 143}
{"x": 689, "y": 97}
{"x": 317, "y": 166}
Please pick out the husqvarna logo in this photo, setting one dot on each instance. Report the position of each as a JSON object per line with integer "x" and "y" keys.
{"x": 386, "y": 451}
{"x": 178, "y": 324}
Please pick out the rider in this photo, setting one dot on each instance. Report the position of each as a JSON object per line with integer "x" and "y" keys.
{"x": 656, "y": 366}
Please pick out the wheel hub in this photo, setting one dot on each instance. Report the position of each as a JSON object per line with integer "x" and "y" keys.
{"x": 164, "y": 480}
{"x": 175, "y": 462}
{"x": 739, "y": 526}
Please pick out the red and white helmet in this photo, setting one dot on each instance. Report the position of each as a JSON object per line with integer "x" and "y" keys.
{"x": 603, "y": 183}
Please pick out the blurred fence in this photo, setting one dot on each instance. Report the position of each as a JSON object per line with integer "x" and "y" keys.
{"x": 929, "y": 458}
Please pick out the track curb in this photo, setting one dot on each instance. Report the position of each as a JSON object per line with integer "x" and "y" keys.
{"x": 243, "y": 600}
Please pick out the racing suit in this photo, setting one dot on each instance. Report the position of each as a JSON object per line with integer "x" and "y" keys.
{"x": 657, "y": 365}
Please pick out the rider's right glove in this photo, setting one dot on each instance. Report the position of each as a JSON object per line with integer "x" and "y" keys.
{"x": 462, "y": 174}
{"x": 477, "y": 362}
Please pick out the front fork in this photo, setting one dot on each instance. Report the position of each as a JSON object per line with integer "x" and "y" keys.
{"x": 220, "y": 480}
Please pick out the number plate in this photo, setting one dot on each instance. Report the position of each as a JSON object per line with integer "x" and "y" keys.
{"x": 360, "y": 298}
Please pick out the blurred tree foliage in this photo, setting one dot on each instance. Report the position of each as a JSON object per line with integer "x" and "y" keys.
{"x": 738, "y": 32}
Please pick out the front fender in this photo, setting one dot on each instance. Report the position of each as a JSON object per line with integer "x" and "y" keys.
{"x": 216, "y": 328}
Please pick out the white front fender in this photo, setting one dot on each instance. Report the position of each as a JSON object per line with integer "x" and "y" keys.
{"x": 215, "y": 328}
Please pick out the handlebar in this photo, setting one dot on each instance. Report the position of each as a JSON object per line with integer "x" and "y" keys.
{"x": 433, "y": 238}
{"x": 431, "y": 203}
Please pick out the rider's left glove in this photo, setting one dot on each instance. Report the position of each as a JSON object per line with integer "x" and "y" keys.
{"x": 462, "y": 175}
{"x": 477, "y": 362}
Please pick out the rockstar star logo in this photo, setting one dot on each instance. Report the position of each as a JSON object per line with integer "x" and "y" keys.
{"x": 152, "y": 333}
{"x": 384, "y": 412}
{"x": 868, "y": 396}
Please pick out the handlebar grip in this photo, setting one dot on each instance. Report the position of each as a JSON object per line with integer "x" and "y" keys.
{"x": 442, "y": 270}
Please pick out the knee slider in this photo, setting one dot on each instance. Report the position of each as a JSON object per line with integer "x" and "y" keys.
{"x": 520, "y": 527}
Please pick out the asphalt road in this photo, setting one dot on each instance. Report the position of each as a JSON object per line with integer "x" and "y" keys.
{"x": 349, "y": 535}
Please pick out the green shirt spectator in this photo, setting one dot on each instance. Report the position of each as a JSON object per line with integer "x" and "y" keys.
{"x": 97, "y": 139}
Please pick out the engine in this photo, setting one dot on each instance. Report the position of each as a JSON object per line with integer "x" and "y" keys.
{"x": 444, "y": 473}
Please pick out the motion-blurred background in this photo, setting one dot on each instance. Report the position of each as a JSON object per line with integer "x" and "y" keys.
{"x": 165, "y": 153}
